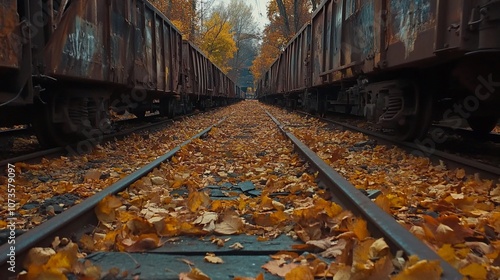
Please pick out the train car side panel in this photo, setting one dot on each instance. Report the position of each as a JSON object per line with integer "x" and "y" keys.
{"x": 410, "y": 31}
{"x": 121, "y": 42}
{"x": 296, "y": 60}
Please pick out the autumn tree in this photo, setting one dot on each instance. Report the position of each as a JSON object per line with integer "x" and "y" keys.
{"x": 182, "y": 13}
{"x": 217, "y": 42}
{"x": 246, "y": 35}
{"x": 286, "y": 17}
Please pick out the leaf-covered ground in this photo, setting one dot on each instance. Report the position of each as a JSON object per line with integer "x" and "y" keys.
{"x": 248, "y": 151}
{"x": 455, "y": 213}
{"x": 49, "y": 187}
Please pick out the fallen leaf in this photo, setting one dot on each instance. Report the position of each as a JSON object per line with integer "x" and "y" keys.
{"x": 423, "y": 269}
{"x": 211, "y": 258}
{"x": 197, "y": 200}
{"x": 194, "y": 274}
{"x": 300, "y": 273}
{"x": 231, "y": 224}
{"x": 474, "y": 271}
{"x": 237, "y": 246}
{"x": 105, "y": 209}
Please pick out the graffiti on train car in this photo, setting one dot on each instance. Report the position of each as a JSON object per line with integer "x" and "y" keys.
{"x": 82, "y": 45}
{"x": 364, "y": 35}
{"x": 409, "y": 19}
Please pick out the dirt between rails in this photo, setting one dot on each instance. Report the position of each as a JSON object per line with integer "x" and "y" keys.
{"x": 455, "y": 213}
{"x": 242, "y": 179}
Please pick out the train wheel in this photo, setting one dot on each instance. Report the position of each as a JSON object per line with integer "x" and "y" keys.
{"x": 49, "y": 134}
{"x": 482, "y": 124}
{"x": 40, "y": 125}
{"x": 416, "y": 126}
{"x": 78, "y": 118}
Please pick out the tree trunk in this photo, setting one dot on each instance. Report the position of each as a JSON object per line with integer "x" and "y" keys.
{"x": 282, "y": 9}
{"x": 296, "y": 15}
{"x": 193, "y": 22}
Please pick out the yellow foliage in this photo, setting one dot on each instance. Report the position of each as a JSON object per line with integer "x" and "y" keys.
{"x": 217, "y": 42}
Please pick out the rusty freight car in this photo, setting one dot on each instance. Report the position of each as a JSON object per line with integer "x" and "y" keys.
{"x": 65, "y": 64}
{"x": 401, "y": 63}
{"x": 205, "y": 83}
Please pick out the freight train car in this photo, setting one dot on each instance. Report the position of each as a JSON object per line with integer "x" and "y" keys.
{"x": 65, "y": 64}
{"x": 401, "y": 64}
{"x": 204, "y": 83}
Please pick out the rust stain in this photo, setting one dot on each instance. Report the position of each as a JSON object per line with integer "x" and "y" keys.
{"x": 409, "y": 19}
{"x": 10, "y": 41}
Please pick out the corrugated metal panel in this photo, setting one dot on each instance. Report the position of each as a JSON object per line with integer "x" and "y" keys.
{"x": 197, "y": 71}
{"x": 297, "y": 59}
{"x": 121, "y": 42}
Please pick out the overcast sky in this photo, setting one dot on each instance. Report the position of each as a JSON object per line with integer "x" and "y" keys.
{"x": 259, "y": 8}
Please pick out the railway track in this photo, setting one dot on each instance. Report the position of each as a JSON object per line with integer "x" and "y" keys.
{"x": 220, "y": 204}
{"x": 14, "y": 131}
{"x": 124, "y": 128}
{"x": 427, "y": 148}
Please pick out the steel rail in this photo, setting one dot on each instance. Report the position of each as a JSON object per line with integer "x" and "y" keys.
{"x": 15, "y": 132}
{"x": 60, "y": 150}
{"x": 453, "y": 161}
{"x": 380, "y": 223}
{"x": 74, "y": 218}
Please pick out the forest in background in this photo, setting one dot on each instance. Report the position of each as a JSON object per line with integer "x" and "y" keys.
{"x": 229, "y": 34}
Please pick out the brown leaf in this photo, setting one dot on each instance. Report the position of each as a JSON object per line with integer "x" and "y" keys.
{"x": 335, "y": 250}
{"x": 143, "y": 243}
{"x": 211, "y": 258}
{"x": 277, "y": 267}
{"x": 87, "y": 243}
{"x": 196, "y": 200}
{"x": 378, "y": 249}
{"x": 300, "y": 273}
{"x": 231, "y": 224}
{"x": 92, "y": 175}
{"x": 38, "y": 256}
{"x": 194, "y": 274}
{"x": 460, "y": 174}
{"x": 383, "y": 267}
{"x": 237, "y": 246}
{"x": 420, "y": 269}
{"x": 105, "y": 209}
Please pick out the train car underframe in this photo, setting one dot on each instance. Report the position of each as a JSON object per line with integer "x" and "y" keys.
{"x": 64, "y": 117}
{"x": 408, "y": 102}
